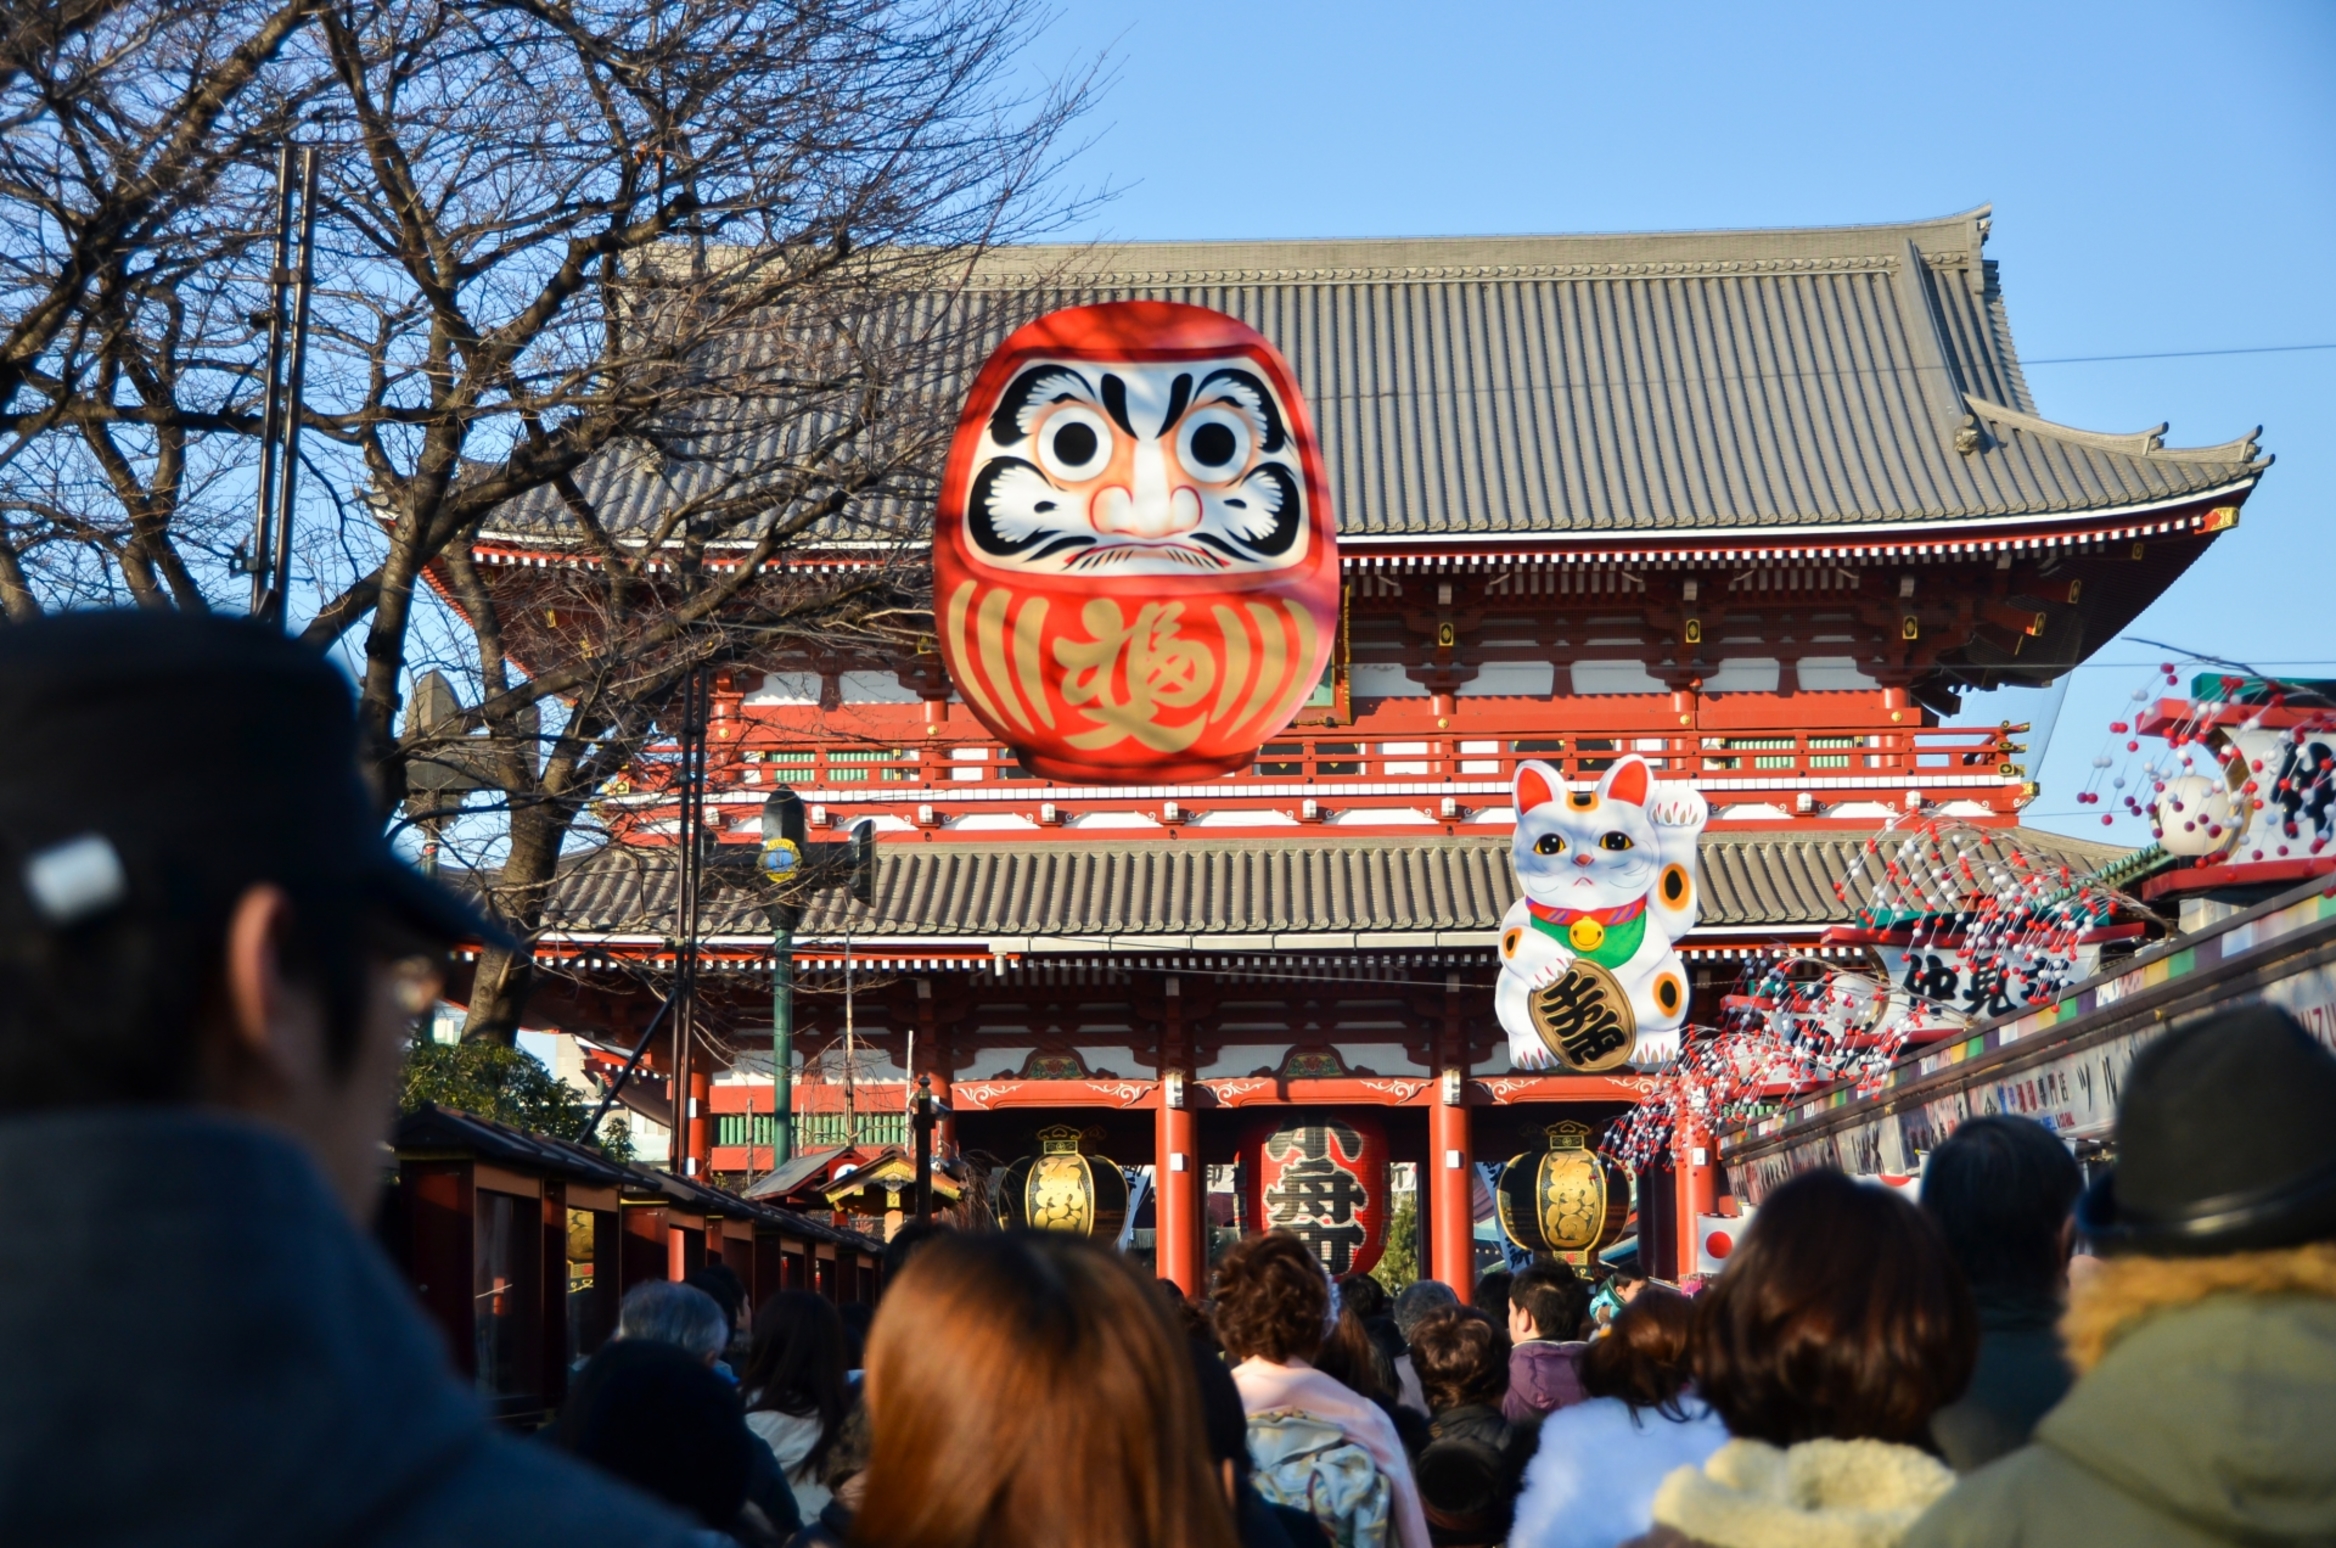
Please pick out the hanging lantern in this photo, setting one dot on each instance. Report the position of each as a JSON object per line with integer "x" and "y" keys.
{"x": 1324, "y": 1179}
{"x": 1135, "y": 569}
{"x": 1568, "y": 1201}
{"x": 1063, "y": 1189}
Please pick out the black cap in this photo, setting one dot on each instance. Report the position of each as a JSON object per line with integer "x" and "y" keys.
{"x": 153, "y": 758}
{"x": 2226, "y": 1142}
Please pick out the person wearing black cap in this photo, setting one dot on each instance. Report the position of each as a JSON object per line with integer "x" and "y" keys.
{"x": 210, "y": 964}
{"x": 2205, "y": 1406}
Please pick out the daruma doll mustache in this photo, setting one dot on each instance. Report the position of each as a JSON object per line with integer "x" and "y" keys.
{"x": 1135, "y": 564}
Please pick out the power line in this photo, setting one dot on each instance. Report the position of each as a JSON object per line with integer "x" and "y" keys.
{"x": 2180, "y": 354}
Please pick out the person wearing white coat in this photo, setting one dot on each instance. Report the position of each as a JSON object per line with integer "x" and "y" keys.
{"x": 1592, "y": 1480}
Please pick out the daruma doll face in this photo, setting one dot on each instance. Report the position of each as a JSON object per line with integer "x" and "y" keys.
{"x": 1135, "y": 568}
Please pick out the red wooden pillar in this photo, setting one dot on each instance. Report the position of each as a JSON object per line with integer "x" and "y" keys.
{"x": 1180, "y": 1247}
{"x": 1176, "y": 1179}
{"x": 1451, "y": 1157}
{"x": 1452, "y": 1194}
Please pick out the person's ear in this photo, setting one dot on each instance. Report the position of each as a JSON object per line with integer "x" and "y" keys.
{"x": 258, "y": 995}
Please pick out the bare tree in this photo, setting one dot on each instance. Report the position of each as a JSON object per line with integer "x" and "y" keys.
{"x": 659, "y": 286}
{"x": 130, "y": 126}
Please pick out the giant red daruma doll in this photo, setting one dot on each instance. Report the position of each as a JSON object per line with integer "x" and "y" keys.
{"x": 1135, "y": 572}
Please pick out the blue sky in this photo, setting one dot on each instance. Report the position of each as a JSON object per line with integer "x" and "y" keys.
{"x": 2163, "y": 177}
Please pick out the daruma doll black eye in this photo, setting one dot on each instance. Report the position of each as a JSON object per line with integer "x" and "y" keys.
{"x": 1212, "y": 445}
{"x": 1075, "y": 443}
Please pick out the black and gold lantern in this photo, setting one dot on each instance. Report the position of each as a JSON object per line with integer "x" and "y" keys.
{"x": 1063, "y": 1189}
{"x": 1567, "y": 1201}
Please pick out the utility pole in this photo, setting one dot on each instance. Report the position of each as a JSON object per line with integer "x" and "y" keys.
{"x": 291, "y": 277}
{"x": 691, "y": 774}
{"x": 783, "y": 836}
{"x": 923, "y": 1122}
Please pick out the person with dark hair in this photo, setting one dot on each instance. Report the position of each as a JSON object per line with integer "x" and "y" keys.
{"x": 1414, "y": 1304}
{"x": 1548, "y": 1303}
{"x": 1193, "y": 1315}
{"x": 1353, "y": 1359}
{"x": 795, "y": 1389}
{"x": 1839, "y": 1326}
{"x": 1492, "y": 1295}
{"x": 1592, "y": 1482}
{"x": 661, "y": 1311}
{"x": 1375, "y": 1308}
{"x": 2205, "y": 1341}
{"x": 203, "y": 1010}
{"x": 1472, "y": 1458}
{"x": 2001, "y": 1190}
{"x": 1027, "y": 1388}
{"x": 647, "y": 1412}
{"x": 719, "y": 1280}
{"x": 1315, "y": 1442}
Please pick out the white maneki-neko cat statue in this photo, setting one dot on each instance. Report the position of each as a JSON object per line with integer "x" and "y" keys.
{"x": 1590, "y": 971}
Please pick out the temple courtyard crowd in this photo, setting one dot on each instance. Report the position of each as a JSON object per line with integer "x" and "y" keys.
{"x": 200, "y": 1027}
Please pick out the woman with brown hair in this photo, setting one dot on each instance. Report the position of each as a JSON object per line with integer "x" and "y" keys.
{"x": 1839, "y": 1327}
{"x": 1317, "y": 1443}
{"x": 1026, "y": 1389}
{"x": 1592, "y": 1482}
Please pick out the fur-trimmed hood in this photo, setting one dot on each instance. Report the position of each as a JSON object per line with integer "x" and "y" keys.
{"x": 2122, "y": 1293}
{"x": 2210, "y": 1390}
{"x": 1818, "y": 1494}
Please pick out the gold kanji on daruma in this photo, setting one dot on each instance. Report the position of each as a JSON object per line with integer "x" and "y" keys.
{"x": 1200, "y": 681}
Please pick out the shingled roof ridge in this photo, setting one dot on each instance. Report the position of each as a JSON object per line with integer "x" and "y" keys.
{"x": 1946, "y": 241}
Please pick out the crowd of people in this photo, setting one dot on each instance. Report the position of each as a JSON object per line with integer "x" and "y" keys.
{"x": 198, "y": 1044}
{"x": 1866, "y": 1372}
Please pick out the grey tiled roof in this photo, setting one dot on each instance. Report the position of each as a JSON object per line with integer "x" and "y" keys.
{"x": 1103, "y": 889}
{"x": 1573, "y": 385}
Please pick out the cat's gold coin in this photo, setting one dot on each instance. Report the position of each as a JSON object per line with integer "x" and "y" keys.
{"x": 1585, "y": 1019}
{"x": 1586, "y": 934}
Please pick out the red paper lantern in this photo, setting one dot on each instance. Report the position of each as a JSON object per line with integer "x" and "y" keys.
{"x": 1324, "y": 1178}
{"x": 1135, "y": 566}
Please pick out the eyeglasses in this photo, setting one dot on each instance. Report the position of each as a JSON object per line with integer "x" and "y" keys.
{"x": 414, "y": 984}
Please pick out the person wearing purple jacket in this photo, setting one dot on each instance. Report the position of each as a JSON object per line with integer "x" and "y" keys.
{"x": 1547, "y": 1304}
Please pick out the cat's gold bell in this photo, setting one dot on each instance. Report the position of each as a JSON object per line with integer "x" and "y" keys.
{"x": 1586, "y": 934}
